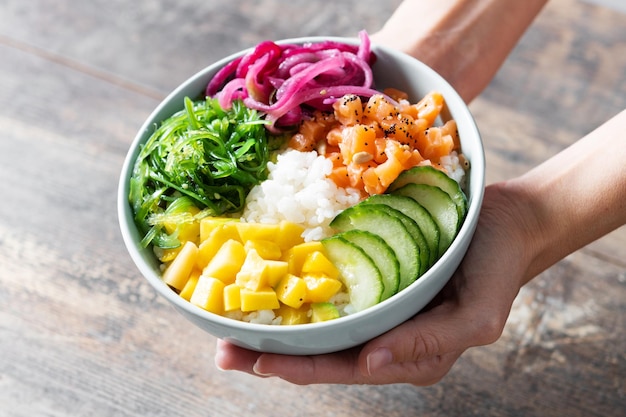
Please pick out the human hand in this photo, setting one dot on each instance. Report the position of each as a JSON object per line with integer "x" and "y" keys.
{"x": 470, "y": 311}
{"x": 465, "y": 41}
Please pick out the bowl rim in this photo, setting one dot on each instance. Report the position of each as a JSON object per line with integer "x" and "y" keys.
{"x": 126, "y": 221}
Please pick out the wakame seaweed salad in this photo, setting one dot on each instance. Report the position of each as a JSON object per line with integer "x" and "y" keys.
{"x": 202, "y": 156}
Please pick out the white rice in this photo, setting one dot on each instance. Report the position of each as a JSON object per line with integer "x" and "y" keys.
{"x": 452, "y": 164}
{"x": 298, "y": 190}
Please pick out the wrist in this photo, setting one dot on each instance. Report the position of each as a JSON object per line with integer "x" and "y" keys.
{"x": 573, "y": 198}
{"x": 465, "y": 41}
{"x": 509, "y": 211}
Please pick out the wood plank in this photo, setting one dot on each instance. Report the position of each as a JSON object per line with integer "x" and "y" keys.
{"x": 161, "y": 44}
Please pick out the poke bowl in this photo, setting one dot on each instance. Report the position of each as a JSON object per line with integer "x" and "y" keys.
{"x": 292, "y": 273}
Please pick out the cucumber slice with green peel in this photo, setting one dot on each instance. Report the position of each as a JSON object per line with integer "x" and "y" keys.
{"x": 376, "y": 219}
{"x": 441, "y": 208}
{"x": 382, "y": 255}
{"x": 429, "y": 175}
{"x": 419, "y": 214}
{"x": 323, "y": 312}
{"x": 357, "y": 271}
{"x": 414, "y": 231}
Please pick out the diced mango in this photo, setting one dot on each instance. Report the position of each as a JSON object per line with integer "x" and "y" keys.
{"x": 276, "y": 270}
{"x": 290, "y": 315}
{"x": 257, "y": 231}
{"x": 265, "y": 248}
{"x": 320, "y": 288}
{"x": 298, "y": 253}
{"x": 323, "y": 312}
{"x": 289, "y": 235}
{"x": 291, "y": 290}
{"x": 253, "y": 272}
{"x": 190, "y": 286}
{"x": 226, "y": 262}
{"x": 317, "y": 262}
{"x": 209, "y": 294}
{"x": 263, "y": 299}
{"x": 219, "y": 235}
{"x": 209, "y": 224}
{"x": 232, "y": 297}
{"x": 177, "y": 273}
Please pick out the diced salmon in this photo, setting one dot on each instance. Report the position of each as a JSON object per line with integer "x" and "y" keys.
{"x": 429, "y": 107}
{"x": 371, "y": 143}
{"x": 436, "y": 144}
{"x": 396, "y": 94}
{"x": 378, "y": 108}
{"x": 339, "y": 175}
{"x": 349, "y": 110}
{"x": 357, "y": 140}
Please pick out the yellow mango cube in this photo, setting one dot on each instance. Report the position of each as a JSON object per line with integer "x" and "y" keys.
{"x": 253, "y": 272}
{"x": 276, "y": 270}
{"x": 290, "y": 315}
{"x": 178, "y": 271}
{"x": 257, "y": 231}
{"x": 320, "y": 288}
{"x": 190, "y": 286}
{"x": 297, "y": 254}
{"x": 227, "y": 262}
{"x": 317, "y": 262}
{"x": 289, "y": 235}
{"x": 209, "y": 224}
{"x": 209, "y": 294}
{"x": 265, "y": 248}
{"x": 263, "y": 299}
{"x": 232, "y": 297}
{"x": 291, "y": 290}
{"x": 219, "y": 235}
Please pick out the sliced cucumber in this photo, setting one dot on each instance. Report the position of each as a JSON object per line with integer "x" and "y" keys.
{"x": 358, "y": 272}
{"x": 441, "y": 208}
{"x": 382, "y": 255}
{"x": 414, "y": 231}
{"x": 432, "y": 176}
{"x": 323, "y": 312}
{"x": 377, "y": 219}
{"x": 420, "y": 216}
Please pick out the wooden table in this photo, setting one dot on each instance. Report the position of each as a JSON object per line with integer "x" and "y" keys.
{"x": 83, "y": 334}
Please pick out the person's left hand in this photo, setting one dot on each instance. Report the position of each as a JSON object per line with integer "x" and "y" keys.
{"x": 471, "y": 310}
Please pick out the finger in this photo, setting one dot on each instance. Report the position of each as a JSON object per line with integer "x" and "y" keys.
{"x": 333, "y": 368}
{"x": 234, "y": 358}
{"x": 420, "y": 351}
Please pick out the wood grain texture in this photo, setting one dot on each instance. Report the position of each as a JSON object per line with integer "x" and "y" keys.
{"x": 83, "y": 334}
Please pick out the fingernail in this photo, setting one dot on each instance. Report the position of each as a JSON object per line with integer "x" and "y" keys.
{"x": 378, "y": 359}
{"x": 256, "y": 370}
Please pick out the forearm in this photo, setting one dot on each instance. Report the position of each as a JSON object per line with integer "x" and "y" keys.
{"x": 575, "y": 197}
{"x": 466, "y": 41}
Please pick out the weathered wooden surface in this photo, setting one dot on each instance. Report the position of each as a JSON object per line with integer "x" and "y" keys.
{"x": 82, "y": 333}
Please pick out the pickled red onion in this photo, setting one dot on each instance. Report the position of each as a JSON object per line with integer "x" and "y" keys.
{"x": 284, "y": 80}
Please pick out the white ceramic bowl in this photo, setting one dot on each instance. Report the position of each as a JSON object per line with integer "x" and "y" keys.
{"x": 392, "y": 69}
